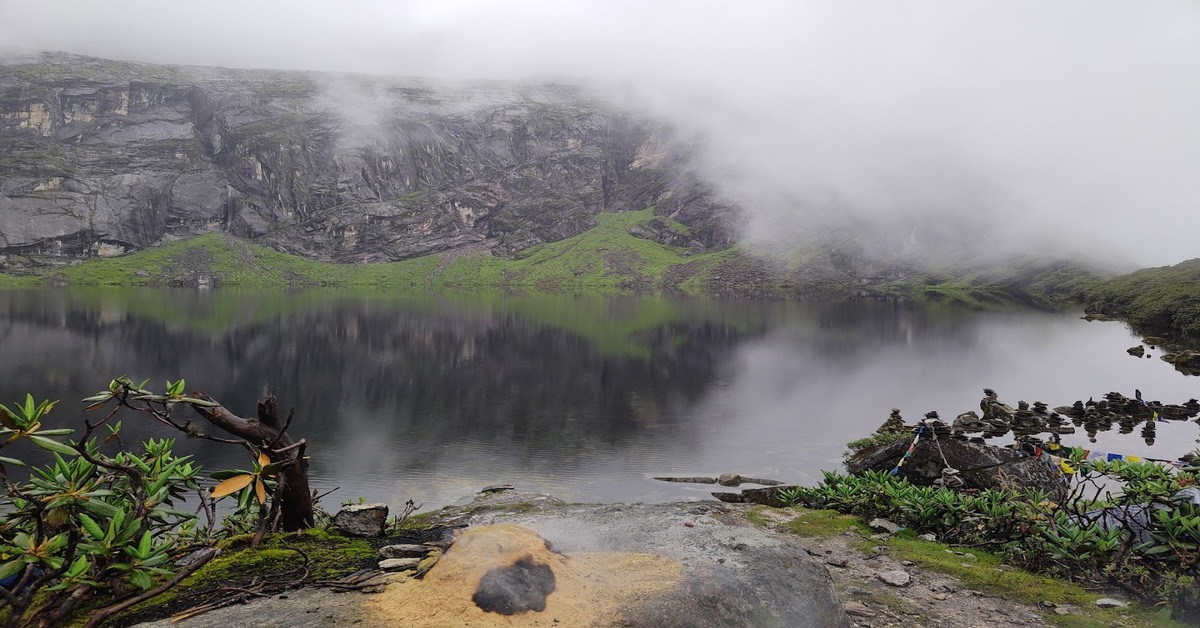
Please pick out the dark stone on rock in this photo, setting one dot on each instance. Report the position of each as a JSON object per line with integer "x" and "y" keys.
{"x": 362, "y": 520}
{"x": 496, "y": 488}
{"x": 979, "y": 466}
{"x": 522, "y": 586}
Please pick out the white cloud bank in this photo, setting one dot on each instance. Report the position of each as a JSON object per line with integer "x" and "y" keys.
{"x": 1073, "y": 122}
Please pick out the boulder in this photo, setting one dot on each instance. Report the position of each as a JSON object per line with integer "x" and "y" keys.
{"x": 362, "y": 520}
{"x": 1136, "y": 351}
{"x": 980, "y": 466}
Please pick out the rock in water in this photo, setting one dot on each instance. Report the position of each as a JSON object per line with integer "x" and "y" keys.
{"x": 1137, "y": 351}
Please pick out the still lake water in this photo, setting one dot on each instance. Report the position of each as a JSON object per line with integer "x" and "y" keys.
{"x": 433, "y": 397}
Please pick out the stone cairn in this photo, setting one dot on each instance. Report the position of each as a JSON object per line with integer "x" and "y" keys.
{"x": 1028, "y": 422}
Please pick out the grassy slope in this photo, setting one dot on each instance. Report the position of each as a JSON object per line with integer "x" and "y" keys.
{"x": 1164, "y": 298}
{"x": 999, "y": 285}
{"x": 603, "y": 260}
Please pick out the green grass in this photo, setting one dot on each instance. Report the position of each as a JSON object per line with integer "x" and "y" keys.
{"x": 604, "y": 260}
{"x": 988, "y": 572}
{"x": 982, "y": 570}
{"x": 810, "y": 523}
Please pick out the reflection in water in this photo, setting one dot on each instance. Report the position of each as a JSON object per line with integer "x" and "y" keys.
{"x": 431, "y": 398}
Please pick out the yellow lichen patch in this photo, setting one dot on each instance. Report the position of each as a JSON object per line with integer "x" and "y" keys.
{"x": 590, "y": 588}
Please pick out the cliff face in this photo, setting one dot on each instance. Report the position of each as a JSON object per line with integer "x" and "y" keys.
{"x": 98, "y": 158}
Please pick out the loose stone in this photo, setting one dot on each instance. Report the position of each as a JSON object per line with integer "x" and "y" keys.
{"x": 403, "y": 551}
{"x": 362, "y": 520}
{"x": 1108, "y": 602}
{"x": 885, "y": 525}
{"x": 858, "y": 609}
{"x": 399, "y": 564}
{"x": 896, "y": 578}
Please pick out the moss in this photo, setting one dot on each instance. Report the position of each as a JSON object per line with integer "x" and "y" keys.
{"x": 278, "y": 559}
{"x": 810, "y": 523}
{"x": 329, "y": 555}
{"x": 876, "y": 440}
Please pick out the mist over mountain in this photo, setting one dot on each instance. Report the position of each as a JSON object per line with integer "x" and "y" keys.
{"x": 1067, "y": 126}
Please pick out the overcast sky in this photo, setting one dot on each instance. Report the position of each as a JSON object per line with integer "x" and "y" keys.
{"x": 1075, "y": 124}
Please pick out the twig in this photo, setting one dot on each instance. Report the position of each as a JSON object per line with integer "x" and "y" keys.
{"x": 257, "y": 593}
{"x": 286, "y": 425}
{"x": 317, "y": 498}
{"x": 295, "y": 445}
{"x": 101, "y": 615}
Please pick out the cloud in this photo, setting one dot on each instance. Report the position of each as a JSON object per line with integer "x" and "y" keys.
{"x": 1070, "y": 124}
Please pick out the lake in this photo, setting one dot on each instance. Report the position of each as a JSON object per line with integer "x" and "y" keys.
{"x": 432, "y": 397}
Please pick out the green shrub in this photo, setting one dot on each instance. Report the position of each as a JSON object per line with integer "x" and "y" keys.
{"x": 1070, "y": 538}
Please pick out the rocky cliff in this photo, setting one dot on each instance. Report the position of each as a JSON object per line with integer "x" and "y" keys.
{"x": 99, "y": 158}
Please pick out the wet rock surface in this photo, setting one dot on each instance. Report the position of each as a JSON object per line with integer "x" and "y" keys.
{"x": 733, "y": 574}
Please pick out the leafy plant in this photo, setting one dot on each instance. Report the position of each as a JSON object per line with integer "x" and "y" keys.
{"x": 1093, "y": 535}
{"x": 97, "y": 523}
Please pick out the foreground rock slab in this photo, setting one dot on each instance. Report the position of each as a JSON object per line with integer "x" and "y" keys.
{"x": 542, "y": 563}
{"x": 720, "y": 571}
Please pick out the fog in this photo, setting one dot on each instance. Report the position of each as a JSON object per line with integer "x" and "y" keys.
{"x": 1070, "y": 125}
